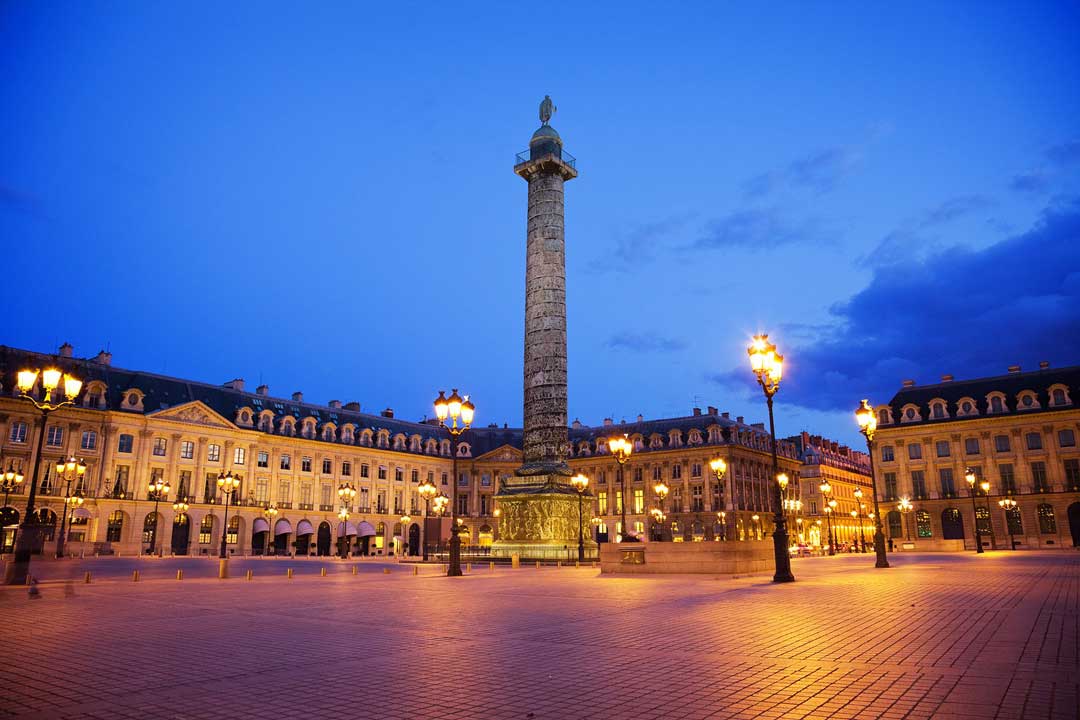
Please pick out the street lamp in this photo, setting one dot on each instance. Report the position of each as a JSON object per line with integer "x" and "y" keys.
{"x": 719, "y": 468}
{"x": 828, "y": 516}
{"x": 858, "y": 500}
{"x": 405, "y": 520}
{"x": 906, "y": 507}
{"x": 69, "y": 472}
{"x": 581, "y": 484}
{"x": 755, "y": 518}
{"x": 180, "y": 517}
{"x": 10, "y": 480}
{"x": 346, "y": 493}
{"x": 344, "y": 515}
{"x": 828, "y": 504}
{"x": 985, "y": 487}
{"x": 661, "y": 489}
{"x": 270, "y": 512}
{"x": 427, "y": 491}
{"x": 864, "y": 415}
{"x": 26, "y": 381}
{"x": 621, "y": 448}
{"x": 158, "y": 488}
{"x": 722, "y": 517}
{"x": 1007, "y": 506}
{"x": 768, "y": 366}
{"x": 455, "y": 408}
{"x": 228, "y": 483}
{"x": 970, "y": 476}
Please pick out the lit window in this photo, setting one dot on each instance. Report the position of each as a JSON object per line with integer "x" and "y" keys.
{"x": 55, "y": 436}
{"x": 239, "y": 456}
{"x": 213, "y": 453}
{"x": 89, "y": 440}
{"x": 187, "y": 450}
{"x": 18, "y": 432}
{"x": 160, "y": 447}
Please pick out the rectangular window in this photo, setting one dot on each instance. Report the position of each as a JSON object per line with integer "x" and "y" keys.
{"x": 971, "y": 446}
{"x": 262, "y": 491}
{"x": 942, "y": 448}
{"x": 1072, "y": 475}
{"x": 676, "y": 471}
{"x": 364, "y": 499}
{"x": 18, "y": 432}
{"x": 1008, "y": 479}
{"x": 1066, "y": 438}
{"x": 1034, "y": 441}
{"x": 601, "y": 502}
{"x": 160, "y": 446}
{"x": 463, "y": 479}
{"x": 399, "y": 476}
{"x": 184, "y": 487}
{"x": 918, "y": 485}
{"x": 263, "y": 459}
{"x": 327, "y": 466}
{"x": 305, "y": 494}
{"x": 89, "y": 440}
{"x": 206, "y": 527}
{"x": 1038, "y": 477}
{"x": 305, "y": 464}
{"x": 121, "y": 485}
{"x": 326, "y": 496}
{"x": 914, "y": 451}
{"x": 239, "y": 456}
{"x": 462, "y": 505}
{"x": 656, "y": 472}
{"x": 380, "y": 501}
{"x": 618, "y": 501}
{"x": 213, "y": 453}
{"x": 55, "y": 436}
{"x": 445, "y": 478}
{"x": 697, "y": 502}
{"x": 695, "y": 471}
{"x": 365, "y": 471}
{"x": 639, "y": 501}
{"x": 125, "y": 443}
{"x": 890, "y": 486}
{"x": 948, "y": 489}
{"x": 286, "y": 462}
{"x": 187, "y": 450}
{"x": 346, "y": 468}
{"x": 284, "y": 491}
{"x": 382, "y": 472}
{"x": 1001, "y": 443}
{"x": 485, "y": 479}
{"x": 887, "y": 453}
{"x": 414, "y": 476}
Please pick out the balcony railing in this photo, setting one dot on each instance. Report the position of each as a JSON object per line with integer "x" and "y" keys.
{"x": 526, "y": 155}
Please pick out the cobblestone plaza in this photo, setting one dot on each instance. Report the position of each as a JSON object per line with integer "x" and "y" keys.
{"x": 935, "y": 636}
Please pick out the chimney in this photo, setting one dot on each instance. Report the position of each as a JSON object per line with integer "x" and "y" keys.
{"x": 739, "y": 419}
{"x": 66, "y": 350}
{"x": 759, "y": 426}
{"x": 712, "y": 410}
{"x": 1044, "y": 365}
{"x": 640, "y": 418}
{"x": 946, "y": 378}
{"x": 387, "y": 413}
{"x": 608, "y": 422}
{"x": 726, "y": 416}
{"x": 335, "y": 404}
{"x": 234, "y": 384}
{"x": 354, "y": 406}
{"x": 576, "y": 424}
{"x": 1014, "y": 369}
{"x": 298, "y": 396}
{"x": 103, "y": 358}
{"x": 263, "y": 390}
{"x": 908, "y": 383}
{"x": 697, "y": 412}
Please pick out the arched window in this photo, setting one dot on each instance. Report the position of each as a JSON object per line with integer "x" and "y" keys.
{"x": 937, "y": 410}
{"x": 952, "y": 524}
{"x": 982, "y": 521}
{"x": 896, "y": 524}
{"x": 997, "y": 405}
{"x": 883, "y": 417}
{"x": 922, "y": 523}
{"x": 1058, "y": 397}
{"x": 234, "y": 530}
{"x": 1047, "y": 521}
{"x": 1015, "y": 522}
{"x": 148, "y": 528}
{"x": 206, "y": 530}
{"x": 115, "y": 526}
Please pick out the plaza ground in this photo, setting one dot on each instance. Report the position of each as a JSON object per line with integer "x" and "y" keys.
{"x": 935, "y": 636}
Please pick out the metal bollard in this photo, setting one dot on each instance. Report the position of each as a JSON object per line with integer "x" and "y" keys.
{"x": 249, "y": 574}
{"x": 86, "y": 577}
{"x": 491, "y": 567}
{"x": 353, "y": 569}
{"x": 468, "y": 567}
{"x": 558, "y": 564}
{"x": 179, "y": 574}
{"x": 288, "y": 573}
{"x": 386, "y": 571}
{"x": 577, "y": 563}
{"x": 322, "y": 572}
{"x": 515, "y": 561}
{"x": 135, "y": 576}
{"x": 415, "y": 569}
{"x": 537, "y": 564}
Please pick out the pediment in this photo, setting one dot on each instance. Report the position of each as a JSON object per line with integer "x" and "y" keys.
{"x": 503, "y": 453}
{"x": 193, "y": 413}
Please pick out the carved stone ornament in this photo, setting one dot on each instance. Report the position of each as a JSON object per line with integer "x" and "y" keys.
{"x": 196, "y": 414}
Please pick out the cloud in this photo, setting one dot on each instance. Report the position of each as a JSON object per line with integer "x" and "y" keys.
{"x": 819, "y": 172}
{"x": 638, "y": 246}
{"x": 912, "y": 240}
{"x": 955, "y": 208}
{"x": 754, "y": 228}
{"x": 966, "y": 312}
{"x": 644, "y": 342}
{"x": 1033, "y": 182}
{"x": 1064, "y": 154}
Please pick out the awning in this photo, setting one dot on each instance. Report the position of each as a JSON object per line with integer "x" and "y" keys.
{"x": 350, "y": 529}
{"x": 259, "y": 526}
{"x": 81, "y": 513}
{"x": 304, "y": 528}
{"x": 366, "y": 530}
{"x": 282, "y": 527}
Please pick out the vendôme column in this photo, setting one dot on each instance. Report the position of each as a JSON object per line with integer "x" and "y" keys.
{"x": 538, "y": 507}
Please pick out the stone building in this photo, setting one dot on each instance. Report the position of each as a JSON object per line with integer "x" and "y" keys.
{"x": 132, "y": 427}
{"x": 1018, "y": 431}
{"x": 847, "y": 472}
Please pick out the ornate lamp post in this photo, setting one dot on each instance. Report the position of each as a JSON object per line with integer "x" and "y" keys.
{"x": 826, "y": 491}
{"x": 454, "y": 408}
{"x": 719, "y": 469}
{"x": 596, "y": 521}
{"x": 755, "y": 518}
{"x": 985, "y": 487}
{"x": 427, "y": 491}
{"x": 858, "y": 500}
{"x": 864, "y": 415}
{"x": 271, "y": 512}
{"x": 818, "y": 524}
{"x": 180, "y": 517}
{"x": 69, "y": 472}
{"x": 228, "y": 483}
{"x": 26, "y": 381}
{"x": 621, "y": 448}
{"x": 768, "y": 366}
{"x": 1007, "y": 505}
{"x": 405, "y": 520}
{"x": 158, "y": 488}
{"x": 905, "y": 507}
{"x": 343, "y": 513}
{"x": 661, "y": 489}
{"x": 581, "y": 484}
{"x": 10, "y": 481}
{"x": 828, "y": 516}
{"x": 971, "y": 477}
{"x": 346, "y": 492}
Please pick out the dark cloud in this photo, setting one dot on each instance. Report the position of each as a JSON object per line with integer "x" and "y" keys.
{"x": 1067, "y": 153}
{"x": 819, "y": 172}
{"x": 644, "y": 342}
{"x": 912, "y": 240}
{"x": 966, "y": 312}
{"x": 1033, "y": 182}
{"x": 754, "y": 228}
{"x": 639, "y": 245}
{"x": 955, "y": 208}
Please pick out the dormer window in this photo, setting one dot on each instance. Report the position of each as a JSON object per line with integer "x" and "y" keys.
{"x": 464, "y": 450}
{"x": 937, "y": 411}
{"x": 997, "y": 404}
{"x": 883, "y": 416}
{"x": 911, "y": 414}
{"x": 695, "y": 437}
{"x": 1059, "y": 396}
{"x": 1027, "y": 401}
{"x": 399, "y": 442}
{"x": 966, "y": 407}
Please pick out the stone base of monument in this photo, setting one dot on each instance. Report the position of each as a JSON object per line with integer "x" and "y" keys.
{"x": 541, "y": 523}
{"x": 696, "y": 558}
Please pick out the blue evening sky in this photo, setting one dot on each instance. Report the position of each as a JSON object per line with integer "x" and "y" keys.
{"x": 320, "y": 196}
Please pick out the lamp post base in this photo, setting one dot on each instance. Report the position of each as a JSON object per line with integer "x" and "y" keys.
{"x": 223, "y": 569}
